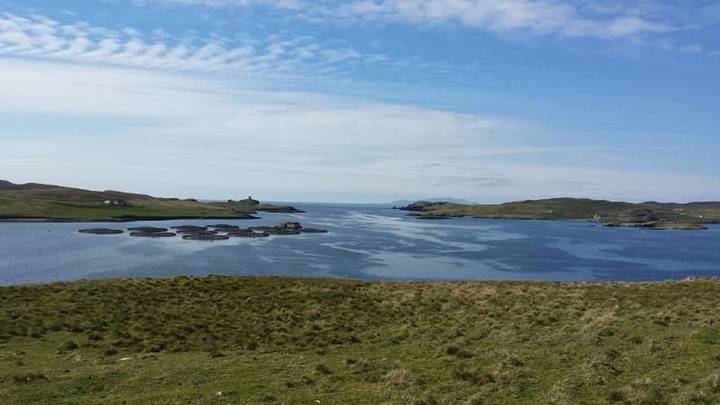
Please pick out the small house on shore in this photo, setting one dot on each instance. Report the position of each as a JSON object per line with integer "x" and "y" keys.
{"x": 116, "y": 203}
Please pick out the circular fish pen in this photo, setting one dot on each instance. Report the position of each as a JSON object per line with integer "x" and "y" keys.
{"x": 205, "y": 237}
{"x": 209, "y": 232}
{"x": 152, "y": 234}
{"x": 102, "y": 231}
{"x": 277, "y": 231}
{"x": 148, "y": 229}
{"x": 202, "y": 233}
{"x": 192, "y": 231}
{"x": 249, "y": 233}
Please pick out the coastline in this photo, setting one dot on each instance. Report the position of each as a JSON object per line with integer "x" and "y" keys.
{"x": 659, "y": 226}
{"x": 138, "y": 218}
{"x": 123, "y": 220}
{"x": 648, "y": 215}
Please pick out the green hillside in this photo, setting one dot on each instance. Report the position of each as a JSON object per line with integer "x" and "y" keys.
{"x": 652, "y": 214}
{"x": 38, "y": 201}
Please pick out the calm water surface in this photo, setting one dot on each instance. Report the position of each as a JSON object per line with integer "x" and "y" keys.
{"x": 366, "y": 243}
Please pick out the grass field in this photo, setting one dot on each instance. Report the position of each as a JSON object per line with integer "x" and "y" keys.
{"x": 250, "y": 340}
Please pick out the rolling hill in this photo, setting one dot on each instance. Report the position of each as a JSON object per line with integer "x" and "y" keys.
{"x": 42, "y": 202}
{"x": 648, "y": 214}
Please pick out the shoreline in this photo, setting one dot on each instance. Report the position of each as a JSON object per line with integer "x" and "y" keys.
{"x": 659, "y": 226}
{"x": 368, "y": 281}
{"x": 121, "y": 220}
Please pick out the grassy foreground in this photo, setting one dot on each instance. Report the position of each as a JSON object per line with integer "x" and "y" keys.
{"x": 248, "y": 340}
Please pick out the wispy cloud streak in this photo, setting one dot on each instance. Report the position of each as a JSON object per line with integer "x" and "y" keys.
{"x": 548, "y": 17}
{"x": 570, "y": 18}
{"x": 650, "y": 24}
{"x": 42, "y": 37}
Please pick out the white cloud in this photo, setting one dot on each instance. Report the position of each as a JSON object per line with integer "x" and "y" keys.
{"x": 291, "y": 4}
{"x": 178, "y": 120}
{"x": 552, "y": 17}
{"x": 561, "y": 17}
{"x": 186, "y": 136}
{"x": 639, "y": 24}
{"x": 626, "y": 26}
{"x": 668, "y": 44}
{"x": 41, "y": 37}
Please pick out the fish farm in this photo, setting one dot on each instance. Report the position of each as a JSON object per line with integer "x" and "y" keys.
{"x": 102, "y": 231}
{"x": 215, "y": 232}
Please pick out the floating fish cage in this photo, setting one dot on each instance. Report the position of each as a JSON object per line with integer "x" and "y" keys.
{"x": 192, "y": 231}
{"x": 210, "y": 232}
{"x": 205, "y": 237}
{"x": 102, "y": 231}
{"x": 286, "y": 228}
{"x": 202, "y": 233}
{"x": 153, "y": 234}
{"x": 247, "y": 234}
{"x": 147, "y": 229}
{"x": 241, "y": 230}
{"x": 278, "y": 231}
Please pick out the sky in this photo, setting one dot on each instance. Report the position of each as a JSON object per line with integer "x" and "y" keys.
{"x": 364, "y": 100}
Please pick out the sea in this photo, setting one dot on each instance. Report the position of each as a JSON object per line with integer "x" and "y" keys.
{"x": 368, "y": 243}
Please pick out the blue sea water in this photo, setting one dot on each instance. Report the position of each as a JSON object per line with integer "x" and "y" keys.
{"x": 366, "y": 243}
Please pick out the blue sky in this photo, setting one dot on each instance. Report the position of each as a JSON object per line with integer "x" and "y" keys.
{"x": 364, "y": 100}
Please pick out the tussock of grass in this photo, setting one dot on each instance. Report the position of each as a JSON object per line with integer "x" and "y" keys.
{"x": 281, "y": 340}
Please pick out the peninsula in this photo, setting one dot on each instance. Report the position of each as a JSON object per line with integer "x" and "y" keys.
{"x": 51, "y": 203}
{"x": 650, "y": 215}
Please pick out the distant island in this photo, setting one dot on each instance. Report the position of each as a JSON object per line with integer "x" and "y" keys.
{"x": 650, "y": 215}
{"x": 51, "y": 203}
